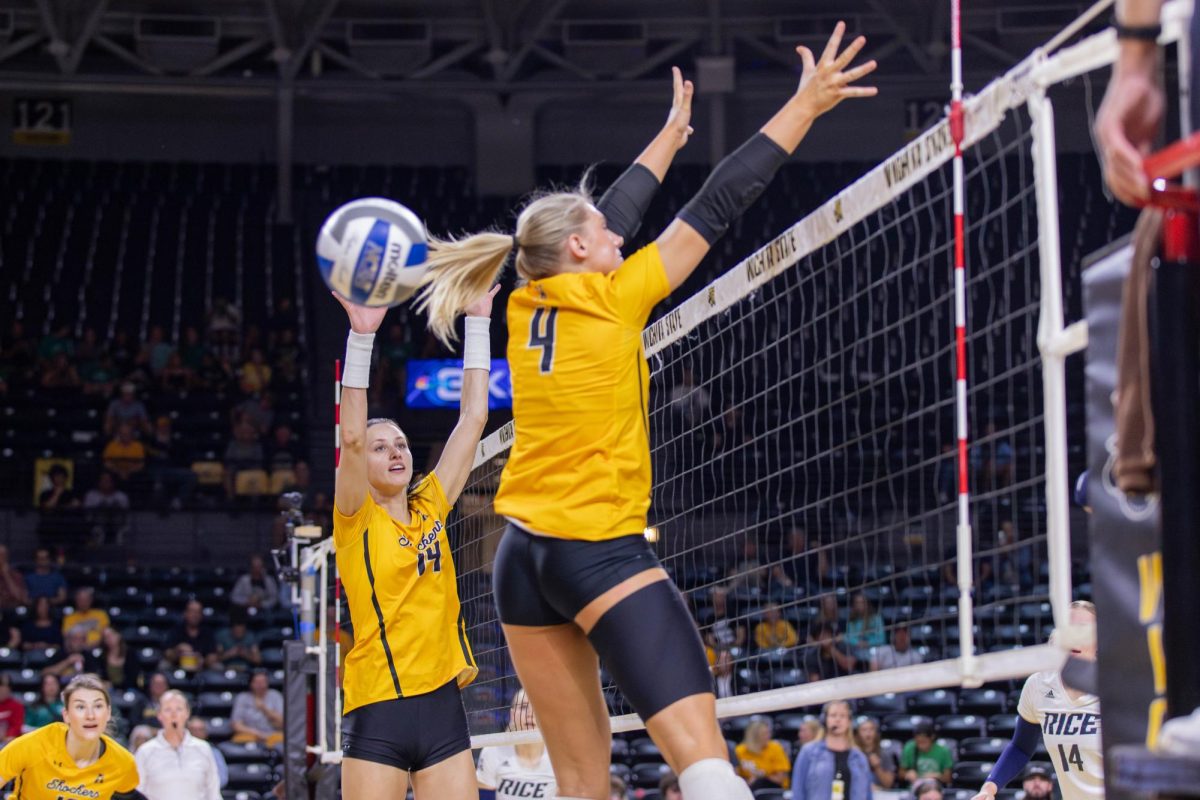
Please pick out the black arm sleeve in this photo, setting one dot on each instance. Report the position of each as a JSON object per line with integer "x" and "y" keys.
{"x": 134, "y": 795}
{"x": 734, "y": 184}
{"x": 626, "y": 201}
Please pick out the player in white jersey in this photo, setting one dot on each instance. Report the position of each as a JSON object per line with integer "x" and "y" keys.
{"x": 516, "y": 772}
{"x": 1067, "y": 720}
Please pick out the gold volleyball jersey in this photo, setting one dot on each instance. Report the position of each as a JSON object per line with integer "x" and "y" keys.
{"x": 409, "y": 635}
{"x": 580, "y": 461}
{"x": 41, "y": 768}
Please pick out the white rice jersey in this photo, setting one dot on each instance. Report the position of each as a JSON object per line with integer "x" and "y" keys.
{"x": 1071, "y": 731}
{"x": 501, "y": 769}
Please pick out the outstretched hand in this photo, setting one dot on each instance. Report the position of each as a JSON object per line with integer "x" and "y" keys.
{"x": 482, "y": 307}
{"x": 826, "y": 82}
{"x": 680, "y": 117}
{"x": 362, "y": 318}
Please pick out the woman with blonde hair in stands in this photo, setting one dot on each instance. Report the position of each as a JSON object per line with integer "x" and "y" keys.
{"x": 574, "y": 575}
{"x": 882, "y": 761}
{"x": 55, "y": 759}
{"x": 761, "y": 760}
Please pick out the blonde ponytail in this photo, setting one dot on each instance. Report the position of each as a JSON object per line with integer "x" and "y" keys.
{"x": 460, "y": 271}
{"x": 463, "y": 270}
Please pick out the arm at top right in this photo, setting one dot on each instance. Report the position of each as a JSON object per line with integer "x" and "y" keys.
{"x": 742, "y": 175}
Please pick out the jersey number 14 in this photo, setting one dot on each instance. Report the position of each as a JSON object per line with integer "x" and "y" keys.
{"x": 1068, "y": 758}
{"x": 430, "y": 556}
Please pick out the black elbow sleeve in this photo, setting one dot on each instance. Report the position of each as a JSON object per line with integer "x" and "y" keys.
{"x": 626, "y": 201}
{"x": 734, "y": 184}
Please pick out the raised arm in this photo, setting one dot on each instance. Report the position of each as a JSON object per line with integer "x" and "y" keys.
{"x": 350, "y": 486}
{"x": 458, "y": 456}
{"x": 626, "y": 201}
{"x": 742, "y": 175}
{"x": 1013, "y": 759}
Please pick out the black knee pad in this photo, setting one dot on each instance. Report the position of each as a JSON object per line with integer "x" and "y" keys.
{"x": 652, "y": 625}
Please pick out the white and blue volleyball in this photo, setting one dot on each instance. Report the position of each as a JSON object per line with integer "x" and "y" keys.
{"x": 372, "y": 252}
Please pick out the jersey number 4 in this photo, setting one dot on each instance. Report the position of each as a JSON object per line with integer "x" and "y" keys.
{"x": 542, "y": 335}
{"x": 1073, "y": 757}
{"x": 431, "y": 556}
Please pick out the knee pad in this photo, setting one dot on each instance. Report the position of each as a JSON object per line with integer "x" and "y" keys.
{"x": 653, "y": 622}
{"x": 713, "y": 779}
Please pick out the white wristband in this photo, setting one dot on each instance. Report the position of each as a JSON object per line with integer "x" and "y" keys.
{"x": 477, "y": 343}
{"x": 356, "y": 371}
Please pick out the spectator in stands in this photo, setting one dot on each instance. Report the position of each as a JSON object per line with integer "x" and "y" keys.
{"x": 77, "y": 657}
{"x": 174, "y": 480}
{"x": 19, "y": 351}
{"x": 193, "y": 350}
{"x": 89, "y": 348}
{"x": 925, "y": 758}
{"x": 119, "y": 666}
{"x": 258, "y": 713}
{"x": 147, "y": 712}
{"x": 107, "y": 510}
{"x": 256, "y": 588}
{"x": 61, "y": 374}
{"x": 724, "y": 633}
{"x": 215, "y": 374}
{"x": 49, "y": 706}
{"x": 41, "y": 630}
{"x": 255, "y": 374}
{"x": 12, "y": 713}
{"x": 13, "y": 591}
{"x": 284, "y": 452}
{"x": 58, "y": 516}
{"x": 992, "y": 459}
{"x": 154, "y": 352}
{"x": 826, "y": 657}
{"x": 86, "y": 618}
{"x": 900, "y": 653}
{"x": 832, "y": 759}
{"x": 257, "y": 411}
{"x": 139, "y": 736}
{"x": 721, "y": 663}
{"x": 58, "y": 341}
{"x": 126, "y": 408}
{"x": 882, "y": 761}
{"x": 237, "y": 647}
{"x": 668, "y": 787}
{"x": 286, "y": 363}
{"x": 774, "y": 631}
{"x": 864, "y": 629}
{"x": 191, "y": 646}
{"x": 748, "y": 576}
{"x": 124, "y": 455}
{"x": 175, "y": 765}
{"x": 828, "y": 613}
{"x": 198, "y": 727}
{"x": 46, "y": 580}
{"x": 810, "y": 731}
{"x": 1037, "y": 782}
{"x": 175, "y": 377}
{"x": 99, "y": 376}
{"x": 244, "y": 452}
{"x": 617, "y": 790}
{"x": 797, "y": 567}
{"x": 760, "y": 759}
{"x": 928, "y": 789}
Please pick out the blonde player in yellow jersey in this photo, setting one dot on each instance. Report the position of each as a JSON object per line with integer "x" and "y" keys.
{"x": 574, "y": 577}
{"x": 402, "y": 712}
{"x": 72, "y": 759}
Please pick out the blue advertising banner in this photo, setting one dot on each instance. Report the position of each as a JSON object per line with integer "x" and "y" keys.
{"x": 437, "y": 383}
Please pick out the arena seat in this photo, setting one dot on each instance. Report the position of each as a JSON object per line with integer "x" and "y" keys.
{"x": 247, "y": 753}
{"x": 960, "y": 726}
{"x": 901, "y": 726}
{"x": 971, "y": 774}
{"x": 254, "y": 777}
{"x": 984, "y": 702}
{"x": 890, "y": 703}
{"x": 932, "y": 703}
{"x": 644, "y": 749}
{"x": 214, "y": 704}
{"x": 1002, "y": 725}
{"x": 647, "y": 775}
{"x": 981, "y": 748}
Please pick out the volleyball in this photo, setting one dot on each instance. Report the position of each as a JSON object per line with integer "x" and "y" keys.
{"x": 372, "y": 252}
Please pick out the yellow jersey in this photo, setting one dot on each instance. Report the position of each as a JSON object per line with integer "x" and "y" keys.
{"x": 580, "y": 461}
{"x": 772, "y": 759}
{"x": 409, "y": 634}
{"x": 41, "y": 768}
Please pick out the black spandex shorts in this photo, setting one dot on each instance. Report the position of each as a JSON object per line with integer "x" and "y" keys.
{"x": 408, "y": 733}
{"x": 542, "y": 580}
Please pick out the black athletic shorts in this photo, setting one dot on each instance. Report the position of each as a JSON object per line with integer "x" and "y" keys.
{"x": 542, "y": 580}
{"x": 408, "y": 733}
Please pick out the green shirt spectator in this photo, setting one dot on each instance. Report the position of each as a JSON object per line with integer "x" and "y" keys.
{"x": 924, "y": 758}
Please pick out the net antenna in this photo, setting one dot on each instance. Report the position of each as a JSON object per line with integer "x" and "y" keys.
{"x": 966, "y": 630}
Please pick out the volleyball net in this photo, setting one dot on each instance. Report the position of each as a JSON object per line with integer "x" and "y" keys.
{"x": 803, "y": 427}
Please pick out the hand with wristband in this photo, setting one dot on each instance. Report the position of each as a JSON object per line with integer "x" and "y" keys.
{"x": 1132, "y": 112}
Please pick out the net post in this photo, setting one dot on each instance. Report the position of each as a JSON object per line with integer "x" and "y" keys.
{"x": 1050, "y": 338}
{"x": 966, "y": 577}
